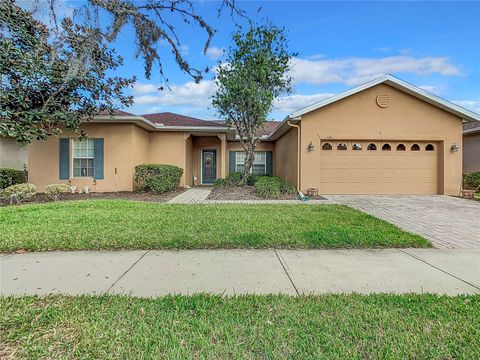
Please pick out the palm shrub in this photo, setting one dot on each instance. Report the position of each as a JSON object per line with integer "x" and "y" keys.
{"x": 10, "y": 177}
{"x": 157, "y": 178}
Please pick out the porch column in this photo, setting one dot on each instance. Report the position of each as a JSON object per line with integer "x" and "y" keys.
{"x": 223, "y": 155}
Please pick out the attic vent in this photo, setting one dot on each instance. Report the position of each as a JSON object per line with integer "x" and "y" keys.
{"x": 383, "y": 100}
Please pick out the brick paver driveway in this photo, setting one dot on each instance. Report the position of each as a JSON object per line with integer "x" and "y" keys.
{"x": 448, "y": 222}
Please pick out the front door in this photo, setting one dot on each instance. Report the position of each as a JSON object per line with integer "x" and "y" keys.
{"x": 209, "y": 166}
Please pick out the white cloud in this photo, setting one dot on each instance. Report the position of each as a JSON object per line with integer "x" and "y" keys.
{"x": 429, "y": 88}
{"x": 292, "y": 103}
{"x": 214, "y": 52}
{"x": 473, "y": 105}
{"x": 141, "y": 88}
{"x": 354, "y": 71}
{"x": 189, "y": 93}
{"x": 184, "y": 50}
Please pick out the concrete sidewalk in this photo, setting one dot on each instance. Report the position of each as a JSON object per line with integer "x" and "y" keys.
{"x": 157, "y": 273}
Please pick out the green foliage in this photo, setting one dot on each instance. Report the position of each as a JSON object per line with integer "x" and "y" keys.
{"x": 54, "y": 191}
{"x": 472, "y": 180}
{"x": 233, "y": 179}
{"x": 54, "y": 79}
{"x": 10, "y": 177}
{"x": 157, "y": 178}
{"x": 219, "y": 183}
{"x": 252, "y": 178}
{"x": 249, "y": 80}
{"x": 272, "y": 187}
{"x": 19, "y": 192}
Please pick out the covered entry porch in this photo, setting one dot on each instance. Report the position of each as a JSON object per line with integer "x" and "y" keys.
{"x": 206, "y": 158}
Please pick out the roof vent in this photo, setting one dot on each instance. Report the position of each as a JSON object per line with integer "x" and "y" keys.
{"x": 383, "y": 100}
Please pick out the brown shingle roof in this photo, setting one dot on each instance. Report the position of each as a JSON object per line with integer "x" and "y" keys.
{"x": 171, "y": 119}
{"x": 471, "y": 125}
{"x": 269, "y": 128}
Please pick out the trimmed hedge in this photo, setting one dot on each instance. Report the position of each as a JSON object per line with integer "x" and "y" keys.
{"x": 9, "y": 177}
{"x": 157, "y": 178}
{"x": 19, "y": 192}
{"x": 272, "y": 187}
{"x": 472, "y": 180}
{"x": 233, "y": 179}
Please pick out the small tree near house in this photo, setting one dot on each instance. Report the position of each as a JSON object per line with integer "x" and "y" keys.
{"x": 254, "y": 74}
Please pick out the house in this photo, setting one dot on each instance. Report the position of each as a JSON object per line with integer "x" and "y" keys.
{"x": 471, "y": 147}
{"x": 12, "y": 154}
{"x": 383, "y": 137}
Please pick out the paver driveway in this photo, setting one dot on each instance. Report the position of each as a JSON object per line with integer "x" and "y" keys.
{"x": 448, "y": 222}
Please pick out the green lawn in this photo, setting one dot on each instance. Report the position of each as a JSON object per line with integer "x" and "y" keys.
{"x": 115, "y": 224}
{"x": 267, "y": 327}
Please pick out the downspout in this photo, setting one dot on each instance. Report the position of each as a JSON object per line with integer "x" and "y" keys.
{"x": 298, "y": 152}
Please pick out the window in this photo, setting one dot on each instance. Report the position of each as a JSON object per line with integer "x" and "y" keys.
{"x": 372, "y": 147}
{"x": 259, "y": 166}
{"x": 386, "y": 147}
{"x": 401, "y": 147}
{"x": 357, "y": 146}
{"x": 327, "y": 146}
{"x": 83, "y": 158}
{"x": 415, "y": 147}
{"x": 342, "y": 146}
{"x": 429, "y": 147}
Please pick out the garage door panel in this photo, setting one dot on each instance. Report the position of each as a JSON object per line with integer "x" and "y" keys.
{"x": 377, "y": 171}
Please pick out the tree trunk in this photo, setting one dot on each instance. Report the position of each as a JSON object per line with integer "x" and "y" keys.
{"x": 249, "y": 157}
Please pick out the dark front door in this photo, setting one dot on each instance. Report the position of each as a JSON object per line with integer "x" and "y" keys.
{"x": 209, "y": 166}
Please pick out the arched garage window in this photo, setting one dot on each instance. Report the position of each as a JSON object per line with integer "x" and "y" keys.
{"x": 401, "y": 147}
{"x": 327, "y": 146}
{"x": 357, "y": 146}
{"x": 342, "y": 146}
{"x": 386, "y": 147}
{"x": 372, "y": 147}
{"x": 429, "y": 147}
{"x": 415, "y": 147}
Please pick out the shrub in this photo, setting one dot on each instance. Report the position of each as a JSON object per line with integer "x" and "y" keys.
{"x": 472, "y": 180}
{"x": 19, "y": 192}
{"x": 157, "y": 178}
{"x": 271, "y": 187}
{"x": 234, "y": 179}
{"x": 252, "y": 178}
{"x": 10, "y": 177}
{"x": 218, "y": 183}
{"x": 54, "y": 191}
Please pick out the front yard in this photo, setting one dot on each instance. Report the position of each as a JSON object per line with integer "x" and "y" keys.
{"x": 207, "y": 326}
{"x": 119, "y": 224}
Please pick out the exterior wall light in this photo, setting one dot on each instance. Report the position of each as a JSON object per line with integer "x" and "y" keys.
{"x": 454, "y": 147}
{"x": 311, "y": 147}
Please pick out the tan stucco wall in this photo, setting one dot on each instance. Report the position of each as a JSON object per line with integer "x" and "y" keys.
{"x": 43, "y": 158}
{"x": 285, "y": 159}
{"x": 188, "y": 162}
{"x": 13, "y": 155}
{"x": 359, "y": 117}
{"x": 471, "y": 152}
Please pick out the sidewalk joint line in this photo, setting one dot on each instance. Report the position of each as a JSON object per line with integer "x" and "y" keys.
{"x": 126, "y": 271}
{"x": 436, "y": 267}
{"x": 286, "y": 272}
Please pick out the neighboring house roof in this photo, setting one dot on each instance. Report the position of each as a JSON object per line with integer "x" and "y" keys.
{"x": 392, "y": 81}
{"x": 269, "y": 128}
{"x": 171, "y": 119}
{"x": 472, "y": 127}
{"x": 116, "y": 113}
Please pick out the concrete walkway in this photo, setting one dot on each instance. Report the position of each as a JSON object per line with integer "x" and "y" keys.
{"x": 448, "y": 222}
{"x": 157, "y": 273}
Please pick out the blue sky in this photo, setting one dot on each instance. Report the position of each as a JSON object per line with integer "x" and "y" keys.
{"x": 434, "y": 45}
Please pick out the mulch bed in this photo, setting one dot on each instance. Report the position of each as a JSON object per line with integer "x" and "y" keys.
{"x": 241, "y": 193}
{"x": 120, "y": 195}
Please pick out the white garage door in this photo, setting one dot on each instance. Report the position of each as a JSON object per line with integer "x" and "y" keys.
{"x": 374, "y": 167}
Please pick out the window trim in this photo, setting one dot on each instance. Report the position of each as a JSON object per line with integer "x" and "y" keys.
{"x": 251, "y": 168}
{"x": 72, "y": 151}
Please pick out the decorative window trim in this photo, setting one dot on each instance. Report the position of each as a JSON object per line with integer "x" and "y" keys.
{"x": 386, "y": 147}
{"x": 341, "y": 146}
{"x": 401, "y": 147}
{"x": 327, "y": 146}
{"x": 357, "y": 147}
{"x": 429, "y": 147}
{"x": 372, "y": 147}
{"x": 415, "y": 147}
